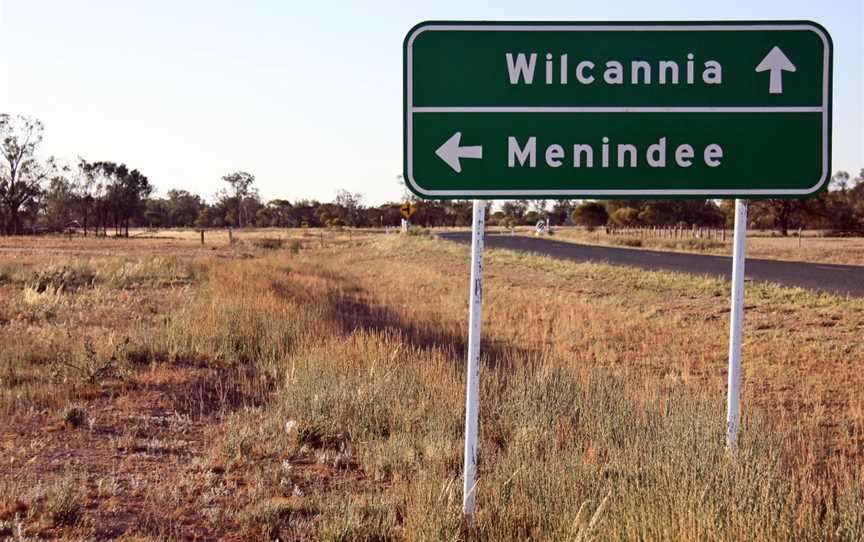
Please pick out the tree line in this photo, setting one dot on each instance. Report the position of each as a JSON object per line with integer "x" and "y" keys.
{"x": 97, "y": 196}
{"x": 840, "y": 210}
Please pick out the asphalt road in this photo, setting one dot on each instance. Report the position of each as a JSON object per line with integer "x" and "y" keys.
{"x": 838, "y": 279}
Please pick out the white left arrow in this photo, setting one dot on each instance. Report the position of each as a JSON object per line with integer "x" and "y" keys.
{"x": 776, "y": 62}
{"x": 451, "y": 152}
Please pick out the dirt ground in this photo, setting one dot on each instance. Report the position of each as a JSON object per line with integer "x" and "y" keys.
{"x": 166, "y": 448}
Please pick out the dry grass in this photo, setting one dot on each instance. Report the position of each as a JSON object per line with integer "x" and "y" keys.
{"x": 317, "y": 393}
{"x": 185, "y": 242}
{"x": 814, "y": 247}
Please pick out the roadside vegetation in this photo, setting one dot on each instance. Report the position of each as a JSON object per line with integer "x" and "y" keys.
{"x": 313, "y": 389}
{"x": 812, "y": 246}
{"x": 93, "y": 197}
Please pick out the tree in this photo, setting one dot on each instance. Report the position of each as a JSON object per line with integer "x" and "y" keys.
{"x": 781, "y": 214}
{"x": 127, "y": 194}
{"x": 562, "y": 210}
{"x": 182, "y": 208}
{"x": 81, "y": 185}
{"x": 433, "y": 213}
{"x": 624, "y": 216}
{"x": 672, "y": 212}
{"x": 727, "y": 209}
{"x": 387, "y": 214}
{"x": 539, "y": 205}
{"x": 241, "y": 188}
{"x": 615, "y": 204}
{"x": 92, "y": 194}
{"x": 856, "y": 194}
{"x": 209, "y": 216}
{"x": 119, "y": 193}
{"x": 264, "y": 217}
{"x": 21, "y": 174}
{"x": 590, "y": 214}
{"x": 306, "y": 211}
{"x": 842, "y": 205}
{"x": 156, "y": 213}
{"x": 280, "y": 213}
{"x": 515, "y": 209}
{"x": 350, "y": 206}
{"x": 60, "y": 203}
{"x": 459, "y": 212}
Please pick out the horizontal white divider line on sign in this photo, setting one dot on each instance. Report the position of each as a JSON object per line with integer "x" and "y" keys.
{"x": 567, "y": 109}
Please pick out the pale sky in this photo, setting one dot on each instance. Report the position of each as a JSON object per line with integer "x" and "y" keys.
{"x": 304, "y": 95}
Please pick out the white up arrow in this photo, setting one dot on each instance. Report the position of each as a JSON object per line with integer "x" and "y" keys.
{"x": 776, "y": 62}
{"x": 451, "y": 152}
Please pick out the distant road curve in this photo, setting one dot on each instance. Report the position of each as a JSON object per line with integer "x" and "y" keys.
{"x": 836, "y": 279}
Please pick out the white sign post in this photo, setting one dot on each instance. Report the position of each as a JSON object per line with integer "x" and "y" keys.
{"x": 472, "y": 386}
{"x": 736, "y": 320}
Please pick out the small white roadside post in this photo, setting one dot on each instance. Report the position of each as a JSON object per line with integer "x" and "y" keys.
{"x": 736, "y": 320}
{"x": 472, "y": 386}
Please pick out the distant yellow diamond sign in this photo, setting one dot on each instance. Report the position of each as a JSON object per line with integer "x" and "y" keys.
{"x": 408, "y": 209}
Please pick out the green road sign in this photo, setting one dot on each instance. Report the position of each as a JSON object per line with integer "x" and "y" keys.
{"x": 606, "y": 110}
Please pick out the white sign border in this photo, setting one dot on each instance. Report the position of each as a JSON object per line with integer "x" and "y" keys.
{"x": 648, "y": 27}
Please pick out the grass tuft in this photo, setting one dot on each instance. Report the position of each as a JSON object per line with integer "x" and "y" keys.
{"x": 75, "y": 416}
{"x": 276, "y": 519}
{"x": 64, "y": 505}
{"x": 268, "y": 243}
